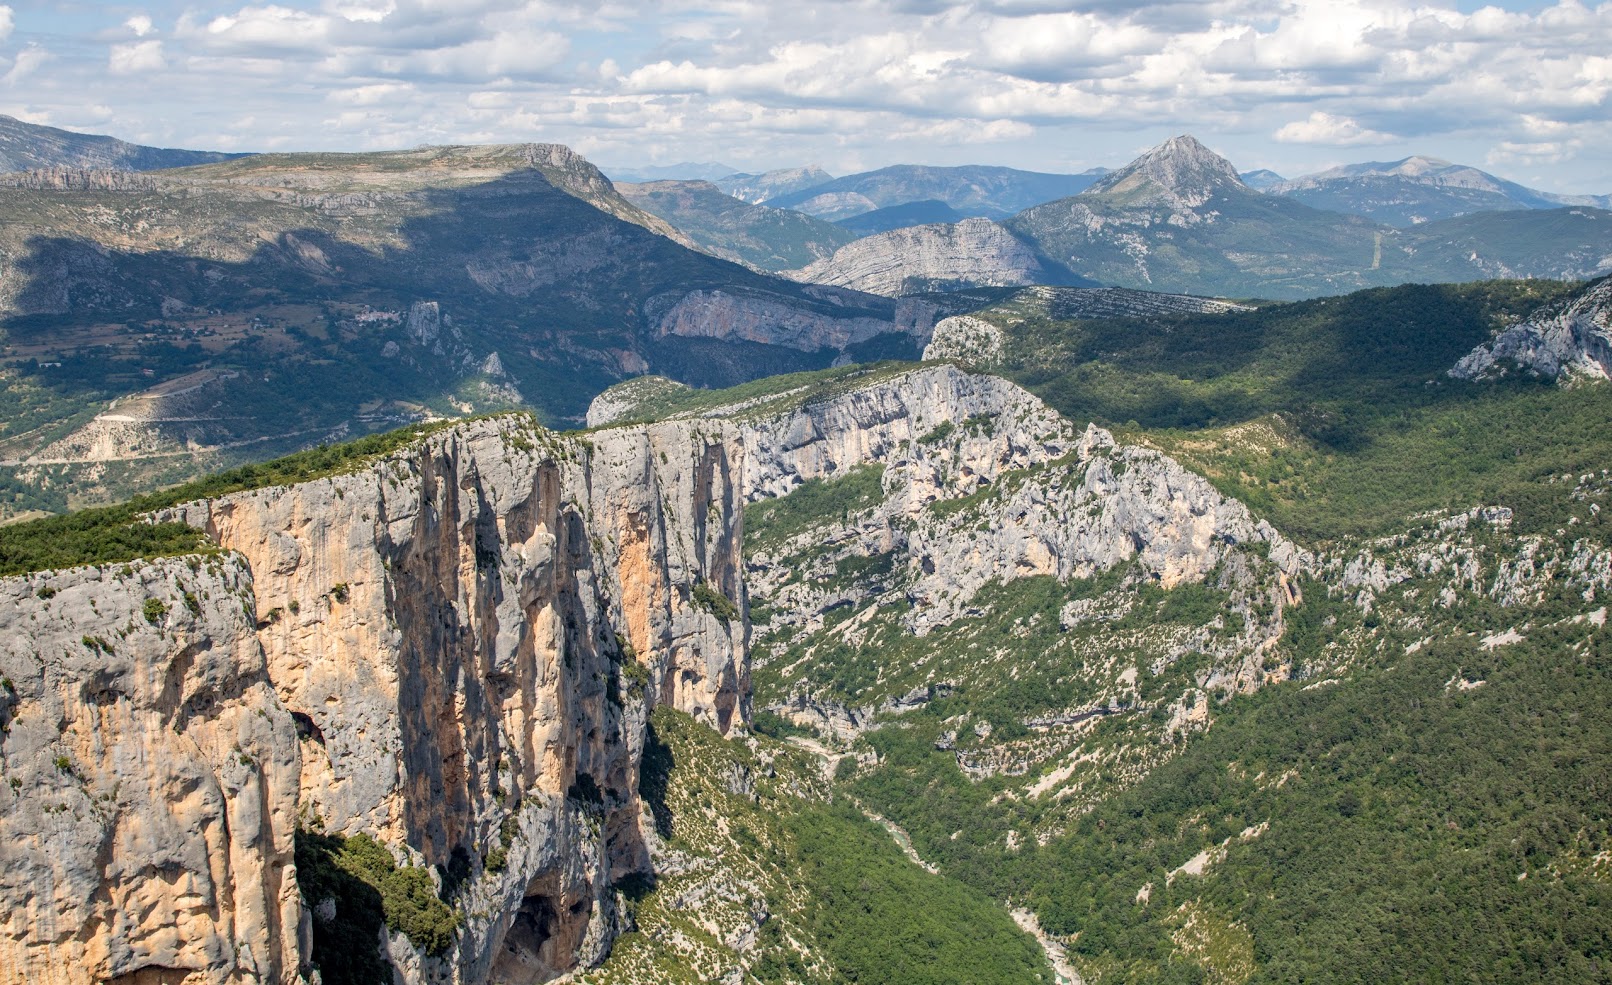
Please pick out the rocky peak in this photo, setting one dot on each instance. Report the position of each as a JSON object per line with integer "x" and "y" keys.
{"x": 1180, "y": 172}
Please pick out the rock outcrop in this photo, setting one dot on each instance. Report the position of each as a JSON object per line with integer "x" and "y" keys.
{"x": 967, "y": 339}
{"x": 971, "y": 253}
{"x": 1180, "y": 174}
{"x": 467, "y": 637}
{"x": 1571, "y": 339}
{"x": 1083, "y": 504}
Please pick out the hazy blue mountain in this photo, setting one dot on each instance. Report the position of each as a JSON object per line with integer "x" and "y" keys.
{"x": 1415, "y": 190}
{"x": 1181, "y": 219}
{"x": 901, "y": 216}
{"x": 29, "y": 146}
{"x": 973, "y": 190}
{"x": 759, "y": 188}
{"x": 1261, "y": 179}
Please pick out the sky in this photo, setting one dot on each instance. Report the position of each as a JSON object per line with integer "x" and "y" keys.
{"x": 1519, "y": 89}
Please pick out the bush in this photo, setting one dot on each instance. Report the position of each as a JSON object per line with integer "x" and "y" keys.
{"x": 369, "y": 889}
{"x": 714, "y": 602}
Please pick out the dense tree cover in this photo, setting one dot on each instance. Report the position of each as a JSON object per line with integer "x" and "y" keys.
{"x": 1417, "y": 830}
{"x": 1352, "y": 392}
{"x": 110, "y": 534}
{"x": 845, "y": 904}
{"x": 885, "y": 921}
{"x": 1424, "y": 832}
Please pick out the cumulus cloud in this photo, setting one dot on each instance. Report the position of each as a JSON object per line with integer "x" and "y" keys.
{"x": 27, "y": 61}
{"x": 1324, "y": 128}
{"x": 135, "y": 57}
{"x": 1074, "y": 82}
{"x": 7, "y": 23}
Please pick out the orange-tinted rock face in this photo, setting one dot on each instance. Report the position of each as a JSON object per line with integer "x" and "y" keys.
{"x": 146, "y": 825}
{"x": 434, "y": 662}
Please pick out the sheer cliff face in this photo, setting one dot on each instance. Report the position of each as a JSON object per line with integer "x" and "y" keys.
{"x": 435, "y": 654}
{"x": 150, "y": 780}
{"x": 971, "y": 253}
{"x": 1079, "y": 504}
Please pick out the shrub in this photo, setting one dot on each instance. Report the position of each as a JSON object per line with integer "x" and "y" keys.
{"x": 369, "y": 888}
{"x": 714, "y": 602}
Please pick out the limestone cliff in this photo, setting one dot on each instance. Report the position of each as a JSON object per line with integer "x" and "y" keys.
{"x": 150, "y": 790}
{"x": 1559, "y": 341}
{"x": 752, "y": 318}
{"x": 1081, "y": 503}
{"x": 971, "y": 253}
{"x": 467, "y": 636}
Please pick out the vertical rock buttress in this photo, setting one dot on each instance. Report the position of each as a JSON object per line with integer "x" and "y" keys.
{"x": 456, "y": 649}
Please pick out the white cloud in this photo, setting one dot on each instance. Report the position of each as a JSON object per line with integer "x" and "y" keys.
{"x": 1033, "y": 83}
{"x": 260, "y": 30}
{"x": 136, "y": 57}
{"x": 27, "y": 60}
{"x": 7, "y": 23}
{"x": 372, "y": 95}
{"x": 1324, "y": 128}
{"x": 1534, "y": 153}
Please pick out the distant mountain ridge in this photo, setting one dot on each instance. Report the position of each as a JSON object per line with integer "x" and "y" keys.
{"x": 30, "y": 146}
{"x": 973, "y": 190}
{"x": 1420, "y": 189}
{"x": 1180, "y": 219}
{"x": 757, "y": 236}
{"x": 762, "y": 188}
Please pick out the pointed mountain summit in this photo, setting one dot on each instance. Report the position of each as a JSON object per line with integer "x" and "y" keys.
{"x": 1180, "y": 173}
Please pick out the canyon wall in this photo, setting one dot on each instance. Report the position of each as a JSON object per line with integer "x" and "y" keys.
{"x": 452, "y": 651}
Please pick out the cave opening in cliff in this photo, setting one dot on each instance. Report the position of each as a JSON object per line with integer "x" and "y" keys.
{"x": 539, "y": 945}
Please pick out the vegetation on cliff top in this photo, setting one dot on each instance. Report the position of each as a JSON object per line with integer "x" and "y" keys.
{"x": 111, "y": 534}
{"x": 1331, "y": 417}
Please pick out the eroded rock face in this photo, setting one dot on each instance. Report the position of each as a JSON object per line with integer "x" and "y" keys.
{"x": 1558, "y": 341}
{"x": 971, "y": 253}
{"x": 435, "y": 651}
{"x": 721, "y": 315}
{"x": 943, "y": 434}
{"x": 150, "y": 790}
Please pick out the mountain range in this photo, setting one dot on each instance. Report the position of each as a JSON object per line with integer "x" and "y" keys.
{"x": 1417, "y": 190}
{"x": 238, "y": 309}
{"x": 758, "y": 236}
{"x": 974, "y": 190}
